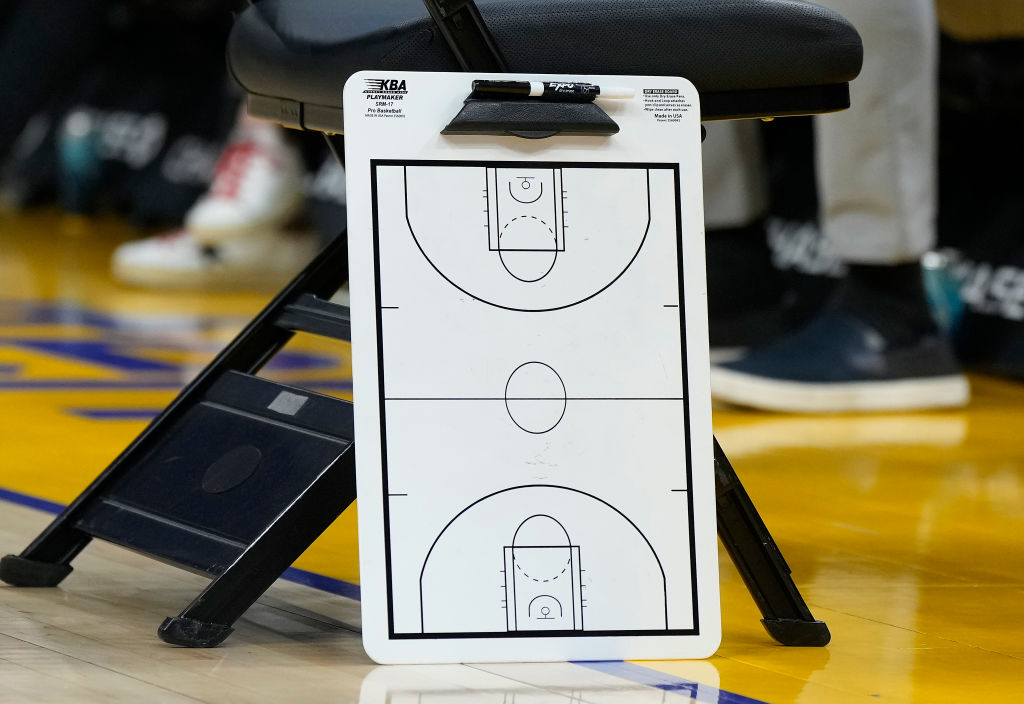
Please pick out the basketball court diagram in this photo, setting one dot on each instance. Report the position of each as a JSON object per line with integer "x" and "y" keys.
{"x": 515, "y": 238}
{"x": 545, "y": 299}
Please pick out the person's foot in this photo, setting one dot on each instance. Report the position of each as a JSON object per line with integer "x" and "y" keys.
{"x": 868, "y": 350}
{"x": 741, "y": 316}
{"x": 256, "y": 185}
{"x": 261, "y": 261}
{"x": 751, "y": 301}
{"x": 987, "y": 310}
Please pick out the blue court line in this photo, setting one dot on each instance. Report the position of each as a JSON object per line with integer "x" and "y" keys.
{"x": 292, "y": 574}
{"x": 90, "y": 385}
{"x": 115, "y": 413}
{"x": 318, "y": 581}
{"x": 698, "y": 692}
{"x": 21, "y": 312}
{"x": 142, "y": 385}
{"x": 30, "y": 501}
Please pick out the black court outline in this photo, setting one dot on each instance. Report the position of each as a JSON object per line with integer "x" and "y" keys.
{"x": 694, "y": 602}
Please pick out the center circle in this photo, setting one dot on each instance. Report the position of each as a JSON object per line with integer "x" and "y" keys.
{"x": 535, "y": 397}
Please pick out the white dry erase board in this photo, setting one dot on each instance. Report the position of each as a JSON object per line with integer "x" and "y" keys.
{"x": 530, "y": 364}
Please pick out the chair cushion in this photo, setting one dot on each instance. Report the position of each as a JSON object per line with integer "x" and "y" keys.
{"x": 304, "y": 50}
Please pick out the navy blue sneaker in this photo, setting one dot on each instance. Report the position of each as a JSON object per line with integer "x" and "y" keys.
{"x": 864, "y": 352}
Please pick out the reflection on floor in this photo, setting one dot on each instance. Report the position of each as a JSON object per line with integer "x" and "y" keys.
{"x": 902, "y": 530}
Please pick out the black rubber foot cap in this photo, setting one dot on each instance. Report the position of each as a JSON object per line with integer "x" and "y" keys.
{"x": 808, "y": 634}
{"x": 22, "y": 572}
{"x": 190, "y": 633}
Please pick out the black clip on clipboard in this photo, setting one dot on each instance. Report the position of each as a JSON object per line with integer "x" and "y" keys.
{"x": 466, "y": 33}
{"x": 740, "y": 528}
{"x": 531, "y": 118}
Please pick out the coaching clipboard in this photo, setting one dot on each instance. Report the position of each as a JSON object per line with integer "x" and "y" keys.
{"x": 530, "y": 364}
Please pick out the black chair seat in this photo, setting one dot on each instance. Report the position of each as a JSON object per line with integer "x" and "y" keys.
{"x": 748, "y": 58}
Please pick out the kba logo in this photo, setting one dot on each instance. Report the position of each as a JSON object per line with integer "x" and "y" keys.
{"x": 385, "y": 85}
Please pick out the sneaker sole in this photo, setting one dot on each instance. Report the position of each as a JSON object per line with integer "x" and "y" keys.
{"x": 721, "y": 355}
{"x": 279, "y": 219}
{"x": 211, "y": 280}
{"x": 837, "y": 397}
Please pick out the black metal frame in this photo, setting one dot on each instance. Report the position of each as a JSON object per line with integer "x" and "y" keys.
{"x": 301, "y": 306}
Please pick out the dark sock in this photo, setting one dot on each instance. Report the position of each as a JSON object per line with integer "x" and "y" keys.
{"x": 740, "y": 271}
{"x": 891, "y": 298}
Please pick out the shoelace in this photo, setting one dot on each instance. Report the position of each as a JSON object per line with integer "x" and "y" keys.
{"x": 233, "y": 165}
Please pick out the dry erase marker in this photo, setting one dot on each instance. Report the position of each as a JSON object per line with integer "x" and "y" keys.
{"x": 554, "y": 90}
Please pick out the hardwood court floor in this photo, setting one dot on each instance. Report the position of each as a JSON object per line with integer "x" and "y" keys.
{"x": 905, "y": 532}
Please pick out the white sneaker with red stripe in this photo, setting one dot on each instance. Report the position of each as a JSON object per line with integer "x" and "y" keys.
{"x": 256, "y": 185}
{"x": 264, "y": 260}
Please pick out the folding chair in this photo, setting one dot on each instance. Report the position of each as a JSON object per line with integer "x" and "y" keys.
{"x": 240, "y": 474}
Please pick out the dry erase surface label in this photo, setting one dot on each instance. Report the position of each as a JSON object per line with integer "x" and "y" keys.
{"x": 666, "y": 104}
{"x": 384, "y": 97}
{"x": 530, "y": 381}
